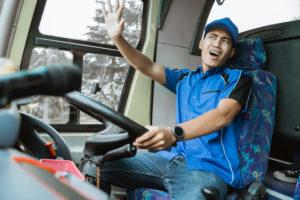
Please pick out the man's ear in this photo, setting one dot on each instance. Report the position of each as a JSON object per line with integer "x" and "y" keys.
{"x": 200, "y": 44}
{"x": 232, "y": 52}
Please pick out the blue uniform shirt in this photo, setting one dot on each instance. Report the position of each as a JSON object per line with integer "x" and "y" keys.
{"x": 196, "y": 94}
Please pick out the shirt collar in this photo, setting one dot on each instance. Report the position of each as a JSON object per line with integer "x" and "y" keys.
{"x": 212, "y": 71}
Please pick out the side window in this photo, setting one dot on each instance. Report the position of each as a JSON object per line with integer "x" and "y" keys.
{"x": 109, "y": 73}
{"x": 50, "y": 109}
{"x": 73, "y": 32}
{"x": 84, "y": 20}
{"x": 253, "y": 14}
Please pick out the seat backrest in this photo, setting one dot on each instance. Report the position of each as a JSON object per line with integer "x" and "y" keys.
{"x": 259, "y": 119}
{"x": 297, "y": 190}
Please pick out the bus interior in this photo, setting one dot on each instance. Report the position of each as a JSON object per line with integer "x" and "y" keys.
{"x": 112, "y": 102}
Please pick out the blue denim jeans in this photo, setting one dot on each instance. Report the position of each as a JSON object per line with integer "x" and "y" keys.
{"x": 150, "y": 170}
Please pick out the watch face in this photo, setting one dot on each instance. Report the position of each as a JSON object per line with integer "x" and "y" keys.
{"x": 178, "y": 131}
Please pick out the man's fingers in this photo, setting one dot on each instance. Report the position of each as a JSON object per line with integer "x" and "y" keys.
{"x": 154, "y": 145}
{"x": 152, "y": 141}
{"x": 145, "y": 137}
{"x": 148, "y": 135}
{"x": 120, "y": 8}
{"x": 116, "y": 5}
{"x": 157, "y": 146}
{"x": 109, "y": 7}
{"x": 148, "y": 127}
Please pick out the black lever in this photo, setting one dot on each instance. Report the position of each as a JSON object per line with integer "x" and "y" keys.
{"x": 127, "y": 150}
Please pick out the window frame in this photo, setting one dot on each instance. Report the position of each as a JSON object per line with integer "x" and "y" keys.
{"x": 78, "y": 48}
{"x": 194, "y": 49}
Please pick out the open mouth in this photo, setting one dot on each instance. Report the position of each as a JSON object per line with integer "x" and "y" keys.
{"x": 214, "y": 54}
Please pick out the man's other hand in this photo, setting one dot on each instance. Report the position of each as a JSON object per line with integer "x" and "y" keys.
{"x": 157, "y": 138}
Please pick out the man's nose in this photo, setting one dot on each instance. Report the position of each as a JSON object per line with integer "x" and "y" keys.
{"x": 217, "y": 43}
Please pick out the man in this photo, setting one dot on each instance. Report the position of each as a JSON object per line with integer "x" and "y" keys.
{"x": 204, "y": 142}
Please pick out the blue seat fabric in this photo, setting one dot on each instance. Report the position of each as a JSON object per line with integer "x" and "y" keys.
{"x": 258, "y": 121}
{"x": 258, "y": 124}
{"x": 297, "y": 190}
{"x": 250, "y": 55}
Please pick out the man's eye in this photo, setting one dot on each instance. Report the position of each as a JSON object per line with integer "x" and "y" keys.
{"x": 226, "y": 41}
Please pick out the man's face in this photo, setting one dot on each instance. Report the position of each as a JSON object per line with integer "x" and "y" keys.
{"x": 216, "y": 48}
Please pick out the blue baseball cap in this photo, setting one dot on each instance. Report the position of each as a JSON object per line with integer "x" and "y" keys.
{"x": 225, "y": 24}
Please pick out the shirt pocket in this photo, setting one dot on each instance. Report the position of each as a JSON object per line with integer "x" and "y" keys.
{"x": 211, "y": 91}
{"x": 209, "y": 98}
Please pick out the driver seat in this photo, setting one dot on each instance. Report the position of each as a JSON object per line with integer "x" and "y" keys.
{"x": 256, "y": 133}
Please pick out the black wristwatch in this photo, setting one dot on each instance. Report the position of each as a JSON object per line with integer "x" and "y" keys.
{"x": 178, "y": 132}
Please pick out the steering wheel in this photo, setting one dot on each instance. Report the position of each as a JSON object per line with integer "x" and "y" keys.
{"x": 96, "y": 109}
{"x": 36, "y": 145}
{"x": 30, "y": 138}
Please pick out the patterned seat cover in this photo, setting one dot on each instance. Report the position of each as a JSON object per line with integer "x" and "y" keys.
{"x": 258, "y": 124}
{"x": 259, "y": 120}
{"x": 297, "y": 190}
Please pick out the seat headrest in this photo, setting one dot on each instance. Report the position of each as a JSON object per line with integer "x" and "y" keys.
{"x": 250, "y": 54}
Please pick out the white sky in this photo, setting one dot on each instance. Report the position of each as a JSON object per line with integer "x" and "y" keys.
{"x": 68, "y": 17}
{"x": 248, "y": 14}
{"x": 71, "y": 17}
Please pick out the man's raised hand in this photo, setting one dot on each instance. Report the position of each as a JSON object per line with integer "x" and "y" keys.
{"x": 113, "y": 21}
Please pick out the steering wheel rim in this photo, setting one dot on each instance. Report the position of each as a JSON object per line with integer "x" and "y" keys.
{"x": 30, "y": 138}
{"x": 96, "y": 109}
